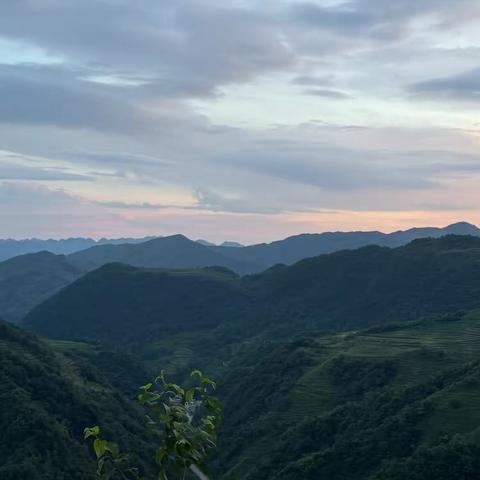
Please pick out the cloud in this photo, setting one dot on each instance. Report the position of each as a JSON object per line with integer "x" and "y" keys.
{"x": 138, "y": 206}
{"x": 140, "y": 111}
{"x": 349, "y": 21}
{"x": 310, "y": 80}
{"x": 32, "y": 210}
{"x": 173, "y": 48}
{"x": 16, "y": 166}
{"x": 464, "y": 86}
{"x": 332, "y": 94}
{"x": 54, "y": 95}
{"x": 20, "y": 172}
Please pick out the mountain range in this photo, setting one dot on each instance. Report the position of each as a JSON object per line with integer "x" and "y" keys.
{"x": 42, "y": 274}
{"x": 261, "y": 255}
{"x": 11, "y": 248}
{"x": 357, "y": 364}
{"x": 346, "y": 290}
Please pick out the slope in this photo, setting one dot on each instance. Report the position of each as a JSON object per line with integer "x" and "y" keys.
{"x": 175, "y": 251}
{"x": 121, "y": 303}
{"x": 341, "y": 291}
{"x": 380, "y": 404}
{"x": 27, "y": 280}
{"x": 46, "y": 400}
{"x": 298, "y": 247}
{"x": 375, "y": 285}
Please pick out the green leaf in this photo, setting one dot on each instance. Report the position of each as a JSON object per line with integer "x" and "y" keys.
{"x": 148, "y": 397}
{"x": 197, "y": 373}
{"x": 159, "y": 454}
{"x": 100, "y": 447}
{"x": 207, "y": 381}
{"x": 91, "y": 432}
{"x": 190, "y": 394}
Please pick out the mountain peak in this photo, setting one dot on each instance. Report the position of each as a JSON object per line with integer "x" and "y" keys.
{"x": 462, "y": 228}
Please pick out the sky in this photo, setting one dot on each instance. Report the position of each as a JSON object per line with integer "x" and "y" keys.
{"x": 242, "y": 120}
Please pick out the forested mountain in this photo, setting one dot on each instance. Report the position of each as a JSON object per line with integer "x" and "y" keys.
{"x": 11, "y": 248}
{"x": 358, "y": 364}
{"x": 122, "y": 303}
{"x": 27, "y": 280}
{"x": 298, "y": 247}
{"x": 396, "y": 403}
{"x": 46, "y": 399}
{"x": 386, "y": 404}
{"x": 339, "y": 291}
{"x": 175, "y": 251}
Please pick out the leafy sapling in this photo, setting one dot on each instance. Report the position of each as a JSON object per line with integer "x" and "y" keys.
{"x": 187, "y": 421}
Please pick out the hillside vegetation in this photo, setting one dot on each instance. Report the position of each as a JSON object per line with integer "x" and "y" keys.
{"x": 175, "y": 251}
{"x": 341, "y": 291}
{"x": 296, "y": 248}
{"x": 397, "y": 402}
{"x": 356, "y": 405}
{"x": 354, "y": 365}
{"x": 28, "y": 280}
{"x": 43, "y": 274}
{"x": 47, "y": 399}
{"x": 121, "y": 303}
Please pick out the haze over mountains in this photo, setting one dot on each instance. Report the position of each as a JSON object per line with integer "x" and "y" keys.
{"x": 11, "y": 248}
{"x": 286, "y": 251}
{"x": 43, "y": 274}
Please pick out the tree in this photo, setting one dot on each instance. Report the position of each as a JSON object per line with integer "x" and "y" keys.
{"x": 187, "y": 422}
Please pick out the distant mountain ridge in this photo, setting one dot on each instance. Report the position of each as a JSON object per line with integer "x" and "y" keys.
{"x": 288, "y": 250}
{"x": 298, "y": 247}
{"x": 348, "y": 289}
{"x": 176, "y": 251}
{"x": 10, "y": 248}
{"x": 27, "y": 281}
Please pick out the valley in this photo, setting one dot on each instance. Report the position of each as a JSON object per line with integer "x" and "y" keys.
{"x": 359, "y": 362}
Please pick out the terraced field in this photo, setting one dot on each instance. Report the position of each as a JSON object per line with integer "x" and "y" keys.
{"x": 419, "y": 351}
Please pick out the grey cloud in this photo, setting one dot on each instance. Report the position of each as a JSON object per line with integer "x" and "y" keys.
{"x": 367, "y": 22}
{"x": 186, "y": 48}
{"x": 338, "y": 19}
{"x": 308, "y": 80}
{"x": 208, "y": 199}
{"x": 19, "y": 198}
{"x": 54, "y": 95}
{"x": 10, "y": 171}
{"x": 464, "y": 86}
{"x": 30, "y": 210}
{"x": 139, "y": 206}
{"x": 332, "y": 94}
{"x": 329, "y": 168}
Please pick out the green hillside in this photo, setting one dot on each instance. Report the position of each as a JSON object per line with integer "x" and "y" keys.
{"x": 28, "y": 280}
{"x": 174, "y": 252}
{"x": 357, "y": 405}
{"x": 374, "y": 285}
{"x": 341, "y": 291}
{"x": 46, "y": 400}
{"x": 122, "y": 303}
{"x": 293, "y": 249}
{"x": 397, "y": 402}
{"x": 354, "y": 365}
